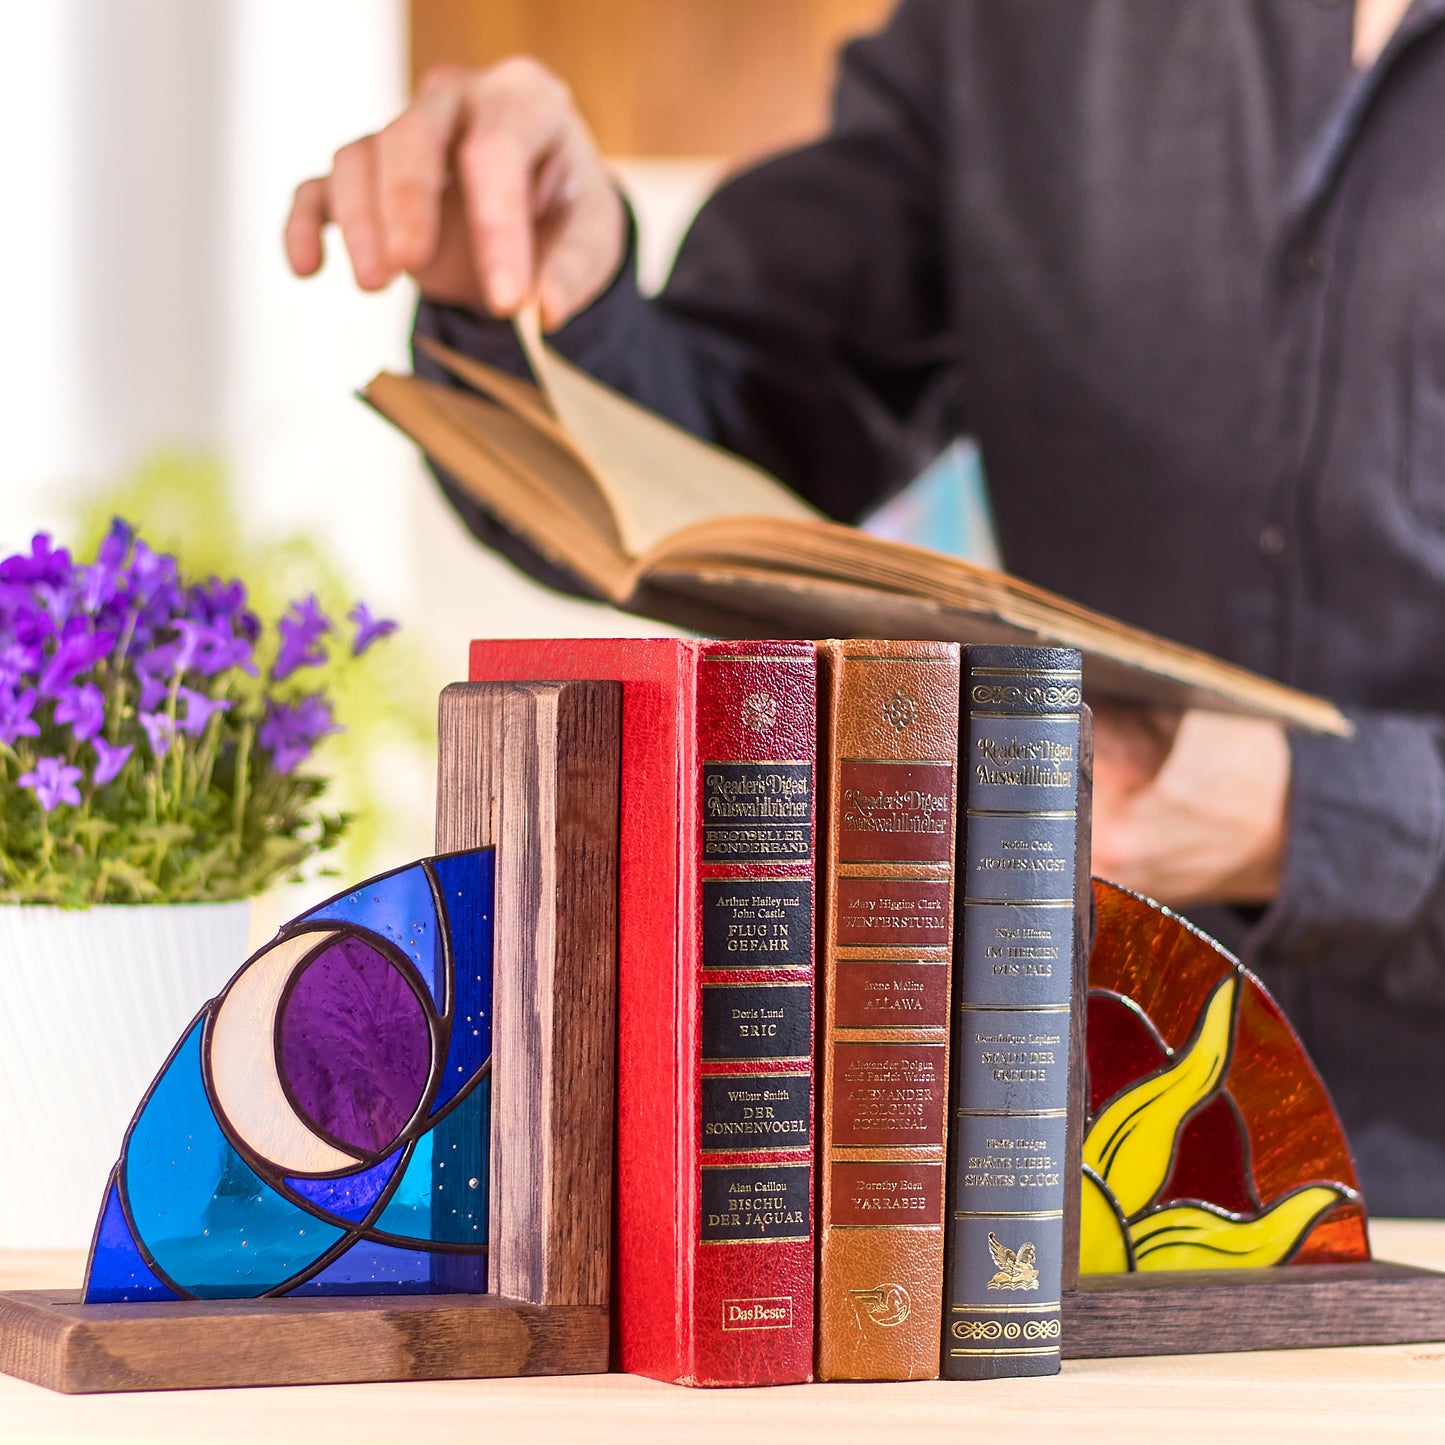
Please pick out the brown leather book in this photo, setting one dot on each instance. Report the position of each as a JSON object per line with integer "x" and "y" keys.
{"x": 888, "y": 751}
{"x": 661, "y": 524}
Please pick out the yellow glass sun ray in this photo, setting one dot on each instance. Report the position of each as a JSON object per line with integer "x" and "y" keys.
{"x": 1187, "y": 1236}
{"x": 1131, "y": 1144}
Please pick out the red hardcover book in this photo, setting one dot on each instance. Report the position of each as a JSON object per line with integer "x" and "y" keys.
{"x": 713, "y": 1281}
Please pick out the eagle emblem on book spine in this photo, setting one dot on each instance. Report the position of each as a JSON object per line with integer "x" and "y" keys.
{"x": 1015, "y": 1270}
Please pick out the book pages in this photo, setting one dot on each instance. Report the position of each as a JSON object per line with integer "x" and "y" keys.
{"x": 657, "y": 477}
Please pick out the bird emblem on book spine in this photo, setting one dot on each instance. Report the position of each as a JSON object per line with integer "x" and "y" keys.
{"x": 886, "y": 1304}
{"x": 1015, "y": 1270}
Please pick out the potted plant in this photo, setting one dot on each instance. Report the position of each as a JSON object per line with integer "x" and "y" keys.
{"x": 154, "y": 735}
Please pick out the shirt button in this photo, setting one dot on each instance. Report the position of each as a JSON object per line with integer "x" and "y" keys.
{"x": 1271, "y": 541}
{"x": 1309, "y": 261}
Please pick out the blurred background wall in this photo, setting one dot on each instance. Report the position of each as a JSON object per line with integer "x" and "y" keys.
{"x": 152, "y": 148}
{"x": 153, "y": 331}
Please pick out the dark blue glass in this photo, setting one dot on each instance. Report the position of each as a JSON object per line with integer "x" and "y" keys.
{"x": 466, "y": 884}
{"x": 117, "y": 1270}
{"x": 400, "y": 908}
{"x": 352, "y": 1195}
{"x": 371, "y": 1268}
{"x": 209, "y": 1221}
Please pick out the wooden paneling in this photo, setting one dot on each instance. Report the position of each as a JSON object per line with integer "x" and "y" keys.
{"x": 732, "y": 78}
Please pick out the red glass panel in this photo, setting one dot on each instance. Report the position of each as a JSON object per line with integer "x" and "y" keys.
{"x": 1150, "y": 956}
{"x": 1122, "y": 1047}
{"x": 1211, "y": 1161}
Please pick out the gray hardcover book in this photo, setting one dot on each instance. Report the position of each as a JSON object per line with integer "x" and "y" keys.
{"x": 1013, "y": 978}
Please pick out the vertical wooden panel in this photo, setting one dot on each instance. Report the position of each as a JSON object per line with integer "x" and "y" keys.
{"x": 532, "y": 769}
{"x": 1079, "y": 1010}
{"x": 731, "y": 78}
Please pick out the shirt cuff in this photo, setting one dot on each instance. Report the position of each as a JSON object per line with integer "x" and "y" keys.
{"x": 1366, "y": 845}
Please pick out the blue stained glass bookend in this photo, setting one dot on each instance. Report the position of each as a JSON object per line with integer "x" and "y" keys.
{"x": 322, "y": 1127}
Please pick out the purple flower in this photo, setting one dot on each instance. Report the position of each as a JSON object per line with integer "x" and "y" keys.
{"x": 112, "y": 551}
{"x": 194, "y": 637}
{"x": 16, "y": 659}
{"x": 152, "y": 692}
{"x": 225, "y": 650}
{"x": 161, "y": 660}
{"x": 368, "y": 628}
{"x": 301, "y": 631}
{"x": 15, "y": 718}
{"x": 84, "y": 709}
{"x": 80, "y": 649}
{"x": 216, "y": 601}
{"x": 46, "y": 566}
{"x": 199, "y": 710}
{"x": 153, "y": 575}
{"x": 290, "y": 732}
{"x": 158, "y": 732}
{"x": 108, "y": 760}
{"x": 210, "y": 648}
{"x": 154, "y": 591}
{"x": 54, "y": 783}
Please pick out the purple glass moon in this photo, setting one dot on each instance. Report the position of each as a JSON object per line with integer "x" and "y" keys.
{"x": 355, "y": 1050}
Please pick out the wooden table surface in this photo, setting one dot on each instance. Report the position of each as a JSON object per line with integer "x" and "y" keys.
{"x": 1385, "y": 1392}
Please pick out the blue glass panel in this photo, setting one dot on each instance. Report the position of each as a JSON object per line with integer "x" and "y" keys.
{"x": 399, "y": 907}
{"x": 371, "y": 1268}
{"x": 443, "y": 1194}
{"x": 117, "y": 1271}
{"x": 209, "y": 1221}
{"x": 352, "y": 1195}
{"x": 466, "y": 885}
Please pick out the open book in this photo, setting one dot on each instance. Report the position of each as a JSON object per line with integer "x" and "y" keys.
{"x": 667, "y": 526}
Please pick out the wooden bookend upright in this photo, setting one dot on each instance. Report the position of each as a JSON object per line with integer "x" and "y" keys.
{"x": 533, "y": 769}
{"x": 1079, "y": 997}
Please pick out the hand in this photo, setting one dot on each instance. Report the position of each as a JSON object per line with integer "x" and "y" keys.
{"x": 1190, "y": 808}
{"x": 487, "y": 188}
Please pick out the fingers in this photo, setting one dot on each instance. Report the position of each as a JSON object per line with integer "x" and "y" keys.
{"x": 412, "y": 165}
{"x": 579, "y": 259}
{"x": 487, "y": 189}
{"x": 304, "y": 249}
{"x": 517, "y": 119}
{"x": 353, "y": 201}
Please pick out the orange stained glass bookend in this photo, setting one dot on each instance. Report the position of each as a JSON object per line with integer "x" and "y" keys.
{"x": 1210, "y": 1139}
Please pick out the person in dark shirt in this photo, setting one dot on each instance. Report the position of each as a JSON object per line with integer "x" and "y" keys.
{"x": 1180, "y": 269}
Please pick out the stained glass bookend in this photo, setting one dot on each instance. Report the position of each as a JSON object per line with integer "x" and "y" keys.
{"x": 1210, "y": 1152}
{"x": 1211, "y": 1141}
{"x": 383, "y": 1152}
{"x": 321, "y": 1128}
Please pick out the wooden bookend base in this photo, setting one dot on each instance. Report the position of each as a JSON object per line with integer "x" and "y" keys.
{"x": 1219, "y": 1311}
{"x": 49, "y": 1338}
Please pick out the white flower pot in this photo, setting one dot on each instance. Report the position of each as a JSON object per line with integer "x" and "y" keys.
{"x": 91, "y": 1002}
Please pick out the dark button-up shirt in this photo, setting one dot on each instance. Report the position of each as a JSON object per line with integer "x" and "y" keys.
{"x": 1180, "y": 269}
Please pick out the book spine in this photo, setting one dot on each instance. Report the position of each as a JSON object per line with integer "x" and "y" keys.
{"x": 751, "y": 1084}
{"x": 1014, "y": 979}
{"x": 656, "y": 972}
{"x": 889, "y": 755}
